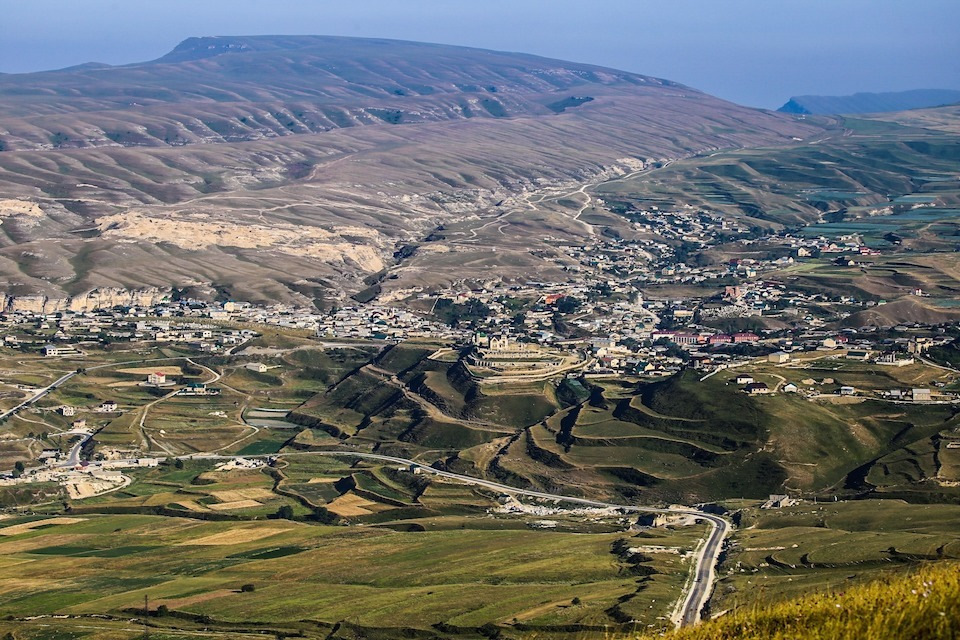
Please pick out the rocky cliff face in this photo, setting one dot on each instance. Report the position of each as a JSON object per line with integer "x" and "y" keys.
{"x": 90, "y": 301}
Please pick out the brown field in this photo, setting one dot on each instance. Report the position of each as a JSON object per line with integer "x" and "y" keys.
{"x": 169, "y": 370}
{"x": 27, "y": 526}
{"x": 351, "y": 504}
{"x": 191, "y": 505}
{"x": 236, "y": 536}
{"x": 236, "y": 476}
{"x": 238, "y": 504}
{"x": 233, "y": 495}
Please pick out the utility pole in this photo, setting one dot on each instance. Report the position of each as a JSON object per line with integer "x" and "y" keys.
{"x": 146, "y": 614}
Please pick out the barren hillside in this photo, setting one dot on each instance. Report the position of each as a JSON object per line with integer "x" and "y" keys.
{"x": 288, "y": 168}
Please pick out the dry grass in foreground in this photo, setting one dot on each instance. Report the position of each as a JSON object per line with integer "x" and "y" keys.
{"x": 924, "y": 605}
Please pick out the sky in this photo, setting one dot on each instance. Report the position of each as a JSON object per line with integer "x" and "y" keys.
{"x": 755, "y": 52}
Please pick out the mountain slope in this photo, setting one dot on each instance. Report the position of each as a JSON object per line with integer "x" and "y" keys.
{"x": 871, "y": 102}
{"x": 288, "y": 168}
{"x": 252, "y": 87}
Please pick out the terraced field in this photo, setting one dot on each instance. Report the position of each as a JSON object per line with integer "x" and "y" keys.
{"x": 678, "y": 440}
{"x": 368, "y": 548}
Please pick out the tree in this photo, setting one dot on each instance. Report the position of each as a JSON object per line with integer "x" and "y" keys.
{"x": 248, "y": 588}
{"x": 285, "y": 512}
{"x": 568, "y": 304}
{"x": 453, "y": 314}
{"x": 19, "y": 468}
{"x": 178, "y": 463}
{"x": 162, "y": 610}
{"x": 324, "y": 515}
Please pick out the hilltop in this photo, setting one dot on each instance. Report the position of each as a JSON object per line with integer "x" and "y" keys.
{"x": 337, "y": 83}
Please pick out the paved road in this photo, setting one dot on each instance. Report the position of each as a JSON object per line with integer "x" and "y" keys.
{"x": 59, "y": 381}
{"x": 74, "y": 458}
{"x": 701, "y": 585}
{"x": 29, "y": 401}
{"x": 704, "y": 576}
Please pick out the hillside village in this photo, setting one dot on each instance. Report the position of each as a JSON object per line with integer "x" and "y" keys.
{"x": 639, "y": 307}
{"x": 635, "y": 310}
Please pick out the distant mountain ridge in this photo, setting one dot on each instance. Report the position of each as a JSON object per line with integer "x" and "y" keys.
{"x": 328, "y": 69}
{"x": 871, "y": 102}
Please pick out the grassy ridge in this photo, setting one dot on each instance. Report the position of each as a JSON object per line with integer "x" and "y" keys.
{"x": 920, "y": 605}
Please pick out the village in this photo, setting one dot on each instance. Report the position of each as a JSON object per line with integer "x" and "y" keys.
{"x": 638, "y": 307}
{"x": 643, "y": 308}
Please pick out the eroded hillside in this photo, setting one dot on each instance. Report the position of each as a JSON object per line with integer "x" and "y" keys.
{"x": 318, "y": 137}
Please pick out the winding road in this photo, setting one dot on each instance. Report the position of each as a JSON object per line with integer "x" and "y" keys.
{"x": 700, "y": 584}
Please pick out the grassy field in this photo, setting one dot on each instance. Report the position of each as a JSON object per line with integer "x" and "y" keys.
{"x": 674, "y": 440}
{"x": 892, "y": 278}
{"x": 777, "y": 554}
{"x": 460, "y": 576}
{"x": 344, "y": 521}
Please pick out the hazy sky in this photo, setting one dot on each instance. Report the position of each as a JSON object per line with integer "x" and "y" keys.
{"x": 756, "y": 52}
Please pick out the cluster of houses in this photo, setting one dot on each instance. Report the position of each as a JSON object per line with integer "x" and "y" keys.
{"x": 379, "y": 322}
{"x": 67, "y": 334}
{"x": 599, "y": 310}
